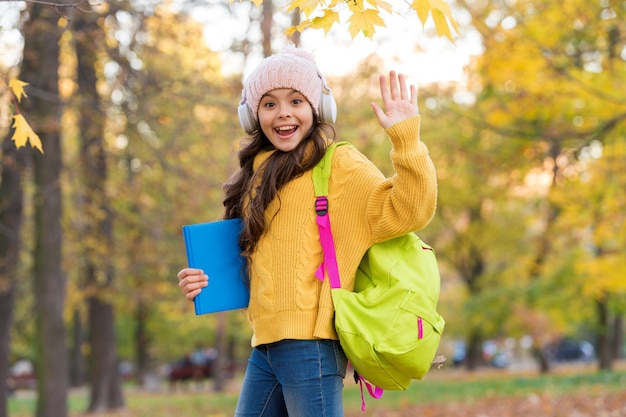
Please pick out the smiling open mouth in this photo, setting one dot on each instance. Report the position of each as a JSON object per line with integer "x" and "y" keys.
{"x": 285, "y": 130}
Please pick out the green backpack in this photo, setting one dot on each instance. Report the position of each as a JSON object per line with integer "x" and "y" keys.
{"x": 388, "y": 326}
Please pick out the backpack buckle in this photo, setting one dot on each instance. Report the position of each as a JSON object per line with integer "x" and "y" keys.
{"x": 321, "y": 205}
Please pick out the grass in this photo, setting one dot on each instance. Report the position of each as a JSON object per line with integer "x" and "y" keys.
{"x": 465, "y": 387}
{"x": 439, "y": 387}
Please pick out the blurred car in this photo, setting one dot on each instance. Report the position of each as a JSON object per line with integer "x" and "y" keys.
{"x": 493, "y": 354}
{"x": 571, "y": 350}
{"x": 186, "y": 369}
{"x": 22, "y": 376}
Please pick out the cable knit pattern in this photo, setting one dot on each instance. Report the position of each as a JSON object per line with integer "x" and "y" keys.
{"x": 287, "y": 301}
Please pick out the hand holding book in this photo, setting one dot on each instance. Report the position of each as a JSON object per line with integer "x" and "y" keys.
{"x": 213, "y": 251}
{"x": 191, "y": 281}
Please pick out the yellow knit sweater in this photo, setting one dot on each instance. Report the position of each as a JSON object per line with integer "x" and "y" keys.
{"x": 286, "y": 300}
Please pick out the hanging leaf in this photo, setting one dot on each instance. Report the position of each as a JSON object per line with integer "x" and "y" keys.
{"x": 325, "y": 22}
{"x": 385, "y": 6}
{"x": 441, "y": 24}
{"x": 441, "y": 14}
{"x": 17, "y": 87}
{"x": 363, "y": 18}
{"x": 306, "y": 6}
{"x": 24, "y": 133}
{"x": 422, "y": 8}
{"x": 365, "y": 22}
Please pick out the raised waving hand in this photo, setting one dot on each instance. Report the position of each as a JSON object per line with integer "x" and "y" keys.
{"x": 400, "y": 102}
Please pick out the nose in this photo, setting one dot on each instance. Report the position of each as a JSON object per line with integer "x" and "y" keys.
{"x": 284, "y": 112}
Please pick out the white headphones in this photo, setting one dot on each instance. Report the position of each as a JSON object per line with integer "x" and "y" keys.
{"x": 327, "y": 110}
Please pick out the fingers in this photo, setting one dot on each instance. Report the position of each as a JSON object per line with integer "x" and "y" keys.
{"x": 191, "y": 281}
{"x": 384, "y": 91}
{"x": 378, "y": 111}
{"x": 188, "y": 271}
{"x": 413, "y": 97}
{"x": 399, "y": 101}
{"x": 397, "y": 89}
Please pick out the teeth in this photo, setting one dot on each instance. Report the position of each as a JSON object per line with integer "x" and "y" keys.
{"x": 286, "y": 128}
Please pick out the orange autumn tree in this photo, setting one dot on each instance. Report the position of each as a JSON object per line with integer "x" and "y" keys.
{"x": 545, "y": 97}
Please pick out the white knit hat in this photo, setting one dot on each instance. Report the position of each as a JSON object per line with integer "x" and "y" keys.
{"x": 290, "y": 68}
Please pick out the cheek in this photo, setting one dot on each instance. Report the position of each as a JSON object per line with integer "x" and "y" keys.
{"x": 307, "y": 119}
{"x": 265, "y": 122}
{"x": 309, "y": 125}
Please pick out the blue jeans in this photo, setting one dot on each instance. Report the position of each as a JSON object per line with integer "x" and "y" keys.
{"x": 295, "y": 378}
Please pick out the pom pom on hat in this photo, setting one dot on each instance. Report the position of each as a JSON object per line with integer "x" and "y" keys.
{"x": 291, "y": 68}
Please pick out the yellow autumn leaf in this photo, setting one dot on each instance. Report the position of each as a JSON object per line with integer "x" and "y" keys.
{"x": 364, "y": 21}
{"x": 441, "y": 6}
{"x": 17, "y": 87}
{"x": 293, "y": 29}
{"x": 422, "y": 8}
{"x": 24, "y": 133}
{"x": 385, "y": 6}
{"x": 306, "y": 6}
{"x": 445, "y": 9}
{"x": 365, "y": 15}
{"x": 326, "y": 21}
{"x": 441, "y": 24}
{"x": 441, "y": 14}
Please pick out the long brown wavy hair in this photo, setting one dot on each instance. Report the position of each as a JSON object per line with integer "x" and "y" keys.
{"x": 247, "y": 197}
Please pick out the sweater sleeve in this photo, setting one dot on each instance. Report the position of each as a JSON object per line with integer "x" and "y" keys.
{"x": 406, "y": 201}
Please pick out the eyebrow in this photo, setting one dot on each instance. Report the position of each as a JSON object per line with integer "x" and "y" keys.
{"x": 269, "y": 94}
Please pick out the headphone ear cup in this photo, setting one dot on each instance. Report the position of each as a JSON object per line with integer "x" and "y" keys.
{"x": 246, "y": 118}
{"x": 328, "y": 108}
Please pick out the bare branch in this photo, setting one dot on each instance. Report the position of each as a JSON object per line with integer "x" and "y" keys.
{"x": 82, "y": 5}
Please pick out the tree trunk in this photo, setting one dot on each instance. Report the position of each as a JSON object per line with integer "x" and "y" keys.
{"x": 11, "y": 212}
{"x": 618, "y": 337}
{"x": 77, "y": 358}
{"x": 267, "y": 22}
{"x": 539, "y": 354}
{"x": 40, "y": 67}
{"x": 142, "y": 344}
{"x": 295, "y": 21}
{"x": 605, "y": 361}
{"x": 106, "y": 389}
{"x": 50, "y": 282}
{"x": 6, "y": 317}
{"x": 474, "y": 352}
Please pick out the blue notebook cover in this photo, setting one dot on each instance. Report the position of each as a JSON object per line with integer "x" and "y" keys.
{"x": 214, "y": 248}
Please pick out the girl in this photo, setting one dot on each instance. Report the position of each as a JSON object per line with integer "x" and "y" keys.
{"x": 297, "y": 367}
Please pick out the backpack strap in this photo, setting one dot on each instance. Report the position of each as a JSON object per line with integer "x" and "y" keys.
{"x": 321, "y": 177}
{"x": 374, "y": 391}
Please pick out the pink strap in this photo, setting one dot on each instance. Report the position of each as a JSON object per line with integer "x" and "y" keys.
{"x": 375, "y": 392}
{"x": 329, "y": 263}
{"x": 329, "y": 266}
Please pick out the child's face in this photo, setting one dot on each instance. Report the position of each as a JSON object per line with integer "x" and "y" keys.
{"x": 286, "y": 117}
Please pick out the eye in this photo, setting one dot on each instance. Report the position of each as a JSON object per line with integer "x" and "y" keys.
{"x": 296, "y": 101}
{"x": 268, "y": 104}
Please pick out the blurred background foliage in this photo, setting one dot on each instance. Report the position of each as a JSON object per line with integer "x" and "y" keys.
{"x": 529, "y": 145}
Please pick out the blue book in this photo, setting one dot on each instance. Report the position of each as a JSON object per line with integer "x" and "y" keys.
{"x": 214, "y": 248}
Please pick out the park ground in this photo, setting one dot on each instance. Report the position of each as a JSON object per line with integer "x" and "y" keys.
{"x": 577, "y": 390}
